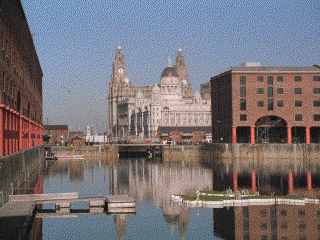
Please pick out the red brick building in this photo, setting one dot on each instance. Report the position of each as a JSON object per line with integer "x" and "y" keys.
{"x": 256, "y": 104}
{"x": 20, "y": 82}
{"x": 57, "y": 133}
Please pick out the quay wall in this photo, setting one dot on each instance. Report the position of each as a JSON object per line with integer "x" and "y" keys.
{"x": 109, "y": 152}
{"x": 265, "y": 157}
{"x": 19, "y": 170}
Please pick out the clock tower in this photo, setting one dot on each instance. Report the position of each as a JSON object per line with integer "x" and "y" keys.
{"x": 182, "y": 70}
{"x": 118, "y": 87}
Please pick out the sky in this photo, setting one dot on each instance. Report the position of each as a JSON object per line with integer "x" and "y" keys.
{"x": 76, "y": 42}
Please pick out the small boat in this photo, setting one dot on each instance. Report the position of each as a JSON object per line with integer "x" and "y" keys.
{"x": 70, "y": 156}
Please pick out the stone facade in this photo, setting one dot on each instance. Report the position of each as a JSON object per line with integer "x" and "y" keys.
{"x": 140, "y": 111}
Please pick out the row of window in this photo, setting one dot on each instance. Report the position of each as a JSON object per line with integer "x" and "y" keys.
{"x": 243, "y": 91}
{"x": 297, "y": 103}
{"x": 243, "y": 79}
{"x": 297, "y": 117}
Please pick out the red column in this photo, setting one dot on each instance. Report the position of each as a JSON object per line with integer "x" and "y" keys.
{"x": 307, "y": 135}
{"x": 234, "y": 135}
{"x": 253, "y": 181}
{"x": 1, "y": 132}
{"x": 20, "y": 133}
{"x": 252, "y": 135}
{"x": 289, "y": 135}
{"x": 235, "y": 181}
{"x": 290, "y": 180}
{"x": 309, "y": 181}
{"x": 29, "y": 137}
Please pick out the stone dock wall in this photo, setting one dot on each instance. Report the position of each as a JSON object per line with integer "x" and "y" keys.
{"x": 19, "y": 170}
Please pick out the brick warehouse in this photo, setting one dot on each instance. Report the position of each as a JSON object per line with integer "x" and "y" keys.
{"x": 20, "y": 82}
{"x": 256, "y": 104}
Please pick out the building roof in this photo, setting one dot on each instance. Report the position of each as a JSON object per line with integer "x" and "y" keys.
{"x": 276, "y": 68}
{"x": 169, "y": 71}
{"x": 55, "y": 127}
{"x": 185, "y": 130}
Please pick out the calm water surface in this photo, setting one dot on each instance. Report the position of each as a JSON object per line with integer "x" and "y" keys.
{"x": 151, "y": 183}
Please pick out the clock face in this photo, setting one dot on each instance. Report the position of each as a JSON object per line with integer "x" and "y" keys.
{"x": 120, "y": 70}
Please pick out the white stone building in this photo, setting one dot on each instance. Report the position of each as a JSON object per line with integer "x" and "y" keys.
{"x": 140, "y": 111}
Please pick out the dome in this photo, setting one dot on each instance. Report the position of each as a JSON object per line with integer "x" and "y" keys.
{"x": 169, "y": 71}
{"x": 184, "y": 82}
{"x": 126, "y": 80}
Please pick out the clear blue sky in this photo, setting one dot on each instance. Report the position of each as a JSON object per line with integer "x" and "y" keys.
{"x": 76, "y": 42}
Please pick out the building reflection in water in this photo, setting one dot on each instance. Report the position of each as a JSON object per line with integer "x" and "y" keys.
{"x": 268, "y": 222}
{"x": 155, "y": 183}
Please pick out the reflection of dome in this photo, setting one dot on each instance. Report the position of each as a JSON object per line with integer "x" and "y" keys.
{"x": 169, "y": 71}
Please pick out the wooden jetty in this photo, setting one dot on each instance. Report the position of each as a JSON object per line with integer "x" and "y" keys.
{"x": 120, "y": 204}
{"x": 149, "y": 150}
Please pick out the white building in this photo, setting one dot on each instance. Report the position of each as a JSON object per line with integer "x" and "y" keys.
{"x": 140, "y": 111}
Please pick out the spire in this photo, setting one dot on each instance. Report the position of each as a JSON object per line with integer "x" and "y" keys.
{"x": 169, "y": 63}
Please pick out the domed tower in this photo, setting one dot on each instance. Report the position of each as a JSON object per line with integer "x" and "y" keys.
{"x": 170, "y": 84}
{"x": 182, "y": 70}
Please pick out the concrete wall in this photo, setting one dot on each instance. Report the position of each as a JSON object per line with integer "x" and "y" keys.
{"x": 19, "y": 170}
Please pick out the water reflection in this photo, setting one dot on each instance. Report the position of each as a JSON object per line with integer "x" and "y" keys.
{"x": 152, "y": 184}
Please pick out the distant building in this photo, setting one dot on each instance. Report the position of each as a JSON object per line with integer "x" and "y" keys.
{"x": 257, "y": 104}
{"x": 140, "y": 111}
{"x": 185, "y": 134}
{"x": 59, "y": 133}
{"x": 20, "y": 82}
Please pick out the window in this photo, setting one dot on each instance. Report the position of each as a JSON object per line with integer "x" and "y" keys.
{"x": 316, "y": 78}
{"x": 270, "y": 80}
{"x": 263, "y": 226}
{"x": 280, "y": 103}
{"x": 298, "y": 103}
{"x": 297, "y": 78}
{"x": 243, "y": 117}
{"x": 242, "y": 91}
{"x": 316, "y": 90}
{"x": 245, "y": 212}
{"x": 298, "y": 117}
{"x": 279, "y": 90}
{"x": 1, "y": 39}
{"x": 284, "y": 226}
{"x": 318, "y": 212}
{"x": 264, "y": 237}
{"x": 298, "y": 91}
{"x": 260, "y": 103}
{"x": 242, "y": 80}
{"x": 260, "y": 79}
{"x": 243, "y": 104}
{"x": 279, "y": 79}
{"x": 301, "y": 213}
{"x": 263, "y": 212}
{"x": 270, "y": 104}
{"x": 270, "y": 91}
{"x": 316, "y": 103}
{"x": 260, "y": 90}
{"x": 302, "y": 226}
